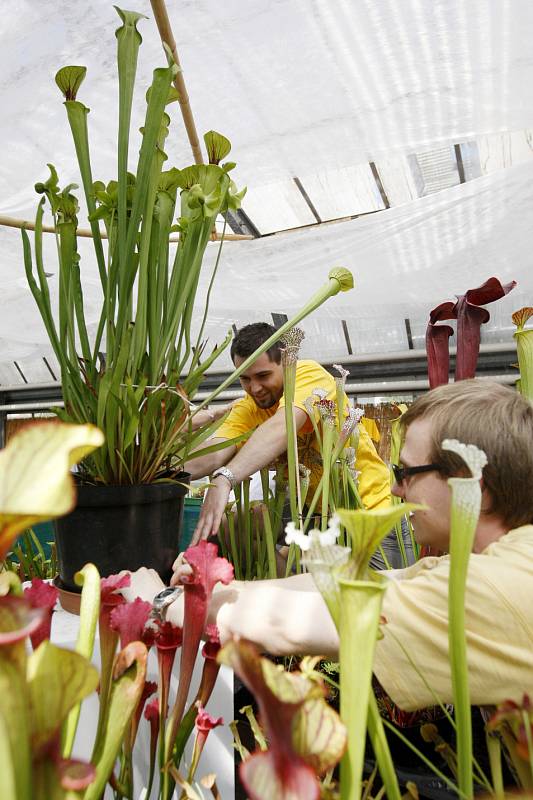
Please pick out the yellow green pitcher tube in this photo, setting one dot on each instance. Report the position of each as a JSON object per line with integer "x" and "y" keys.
{"x": 359, "y": 619}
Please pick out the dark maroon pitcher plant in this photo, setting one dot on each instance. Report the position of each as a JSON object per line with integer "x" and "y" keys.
{"x": 470, "y": 315}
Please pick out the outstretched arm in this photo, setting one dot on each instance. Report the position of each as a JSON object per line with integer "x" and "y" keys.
{"x": 282, "y": 616}
{"x": 267, "y": 442}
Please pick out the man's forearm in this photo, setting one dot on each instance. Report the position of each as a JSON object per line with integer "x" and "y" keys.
{"x": 265, "y": 445}
{"x": 262, "y": 448}
{"x": 205, "y": 465}
{"x": 281, "y": 616}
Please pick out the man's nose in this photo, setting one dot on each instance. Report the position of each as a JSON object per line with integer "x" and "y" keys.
{"x": 398, "y": 489}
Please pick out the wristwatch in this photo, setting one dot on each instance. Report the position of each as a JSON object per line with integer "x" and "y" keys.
{"x": 163, "y": 600}
{"x": 226, "y": 473}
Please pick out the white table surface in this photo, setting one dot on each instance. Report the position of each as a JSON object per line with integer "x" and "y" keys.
{"x": 218, "y": 753}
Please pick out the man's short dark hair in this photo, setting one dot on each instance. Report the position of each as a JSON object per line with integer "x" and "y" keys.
{"x": 248, "y": 339}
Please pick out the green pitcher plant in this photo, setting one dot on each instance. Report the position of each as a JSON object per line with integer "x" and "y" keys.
{"x": 41, "y": 692}
{"x": 35, "y": 479}
{"x": 251, "y": 528}
{"x": 304, "y": 734}
{"x": 466, "y": 505}
{"x": 524, "y": 348}
{"x": 291, "y": 342}
{"x": 128, "y": 379}
{"x": 395, "y": 447}
{"x": 136, "y": 378}
{"x": 353, "y": 594}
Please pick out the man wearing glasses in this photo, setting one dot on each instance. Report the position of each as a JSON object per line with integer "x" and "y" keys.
{"x": 411, "y": 661}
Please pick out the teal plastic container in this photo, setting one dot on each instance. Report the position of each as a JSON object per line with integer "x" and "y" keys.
{"x": 191, "y": 512}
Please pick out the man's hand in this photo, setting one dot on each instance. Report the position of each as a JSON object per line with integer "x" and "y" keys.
{"x": 212, "y": 510}
{"x": 145, "y": 583}
{"x": 182, "y": 570}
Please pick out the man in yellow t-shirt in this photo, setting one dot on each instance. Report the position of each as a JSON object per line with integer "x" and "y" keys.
{"x": 262, "y": 413}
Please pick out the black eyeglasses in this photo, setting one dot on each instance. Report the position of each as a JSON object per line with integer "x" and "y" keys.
{"x": 401, "y": 473}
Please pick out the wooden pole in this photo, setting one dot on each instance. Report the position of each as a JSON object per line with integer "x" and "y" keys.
{"x": 11, "y": 222}
{"x": 165, "y": 31}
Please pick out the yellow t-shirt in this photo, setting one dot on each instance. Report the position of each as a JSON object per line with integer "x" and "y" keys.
{"x": 499, "y": 626}
{"x": 371, "y": 428}
{"x": 374, "y": 480}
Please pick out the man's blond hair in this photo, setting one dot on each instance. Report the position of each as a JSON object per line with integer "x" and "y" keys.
{"x": 499, "y": 421}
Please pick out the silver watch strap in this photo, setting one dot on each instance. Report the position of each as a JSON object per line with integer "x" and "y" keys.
{"x": 163, "y": 600}
{"x": 226, "y": 473}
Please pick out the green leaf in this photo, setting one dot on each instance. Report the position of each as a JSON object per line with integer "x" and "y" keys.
{"x": 144, "y": 191}
{"x": 217, "y": 146}
{"x": 35, "y": 480}
{"x": 169, "y": 181}
{"x": 132, "y": 416}
{"x": 173, "y": 95}
{"x": 8, "y": 783}
{"x": 524, "y": 348}
{"x": 77, "y": 117}
{"x": 128, "y": 43}
{"x": 207, "y": 176}
{"x": 62, "y": 202}
{"x": 366, "y": 530}
{"x": 89, "y": 579}
{"x": 465, "y": 510}
{"x": 129, "y": 27}
{"x": 359, "y": 620}
{"x": 323, "y": 561}
{"x": 234, "y": 197}
{"x": 51, "y": 186}
{"x": 10, "y": 584}
{"x": 57, "y": 680}
{"x": 129, "y": 674}
{"x": 15, "y": 754}
{"x": 69, "y": 80}
{"x": 318, "y": 735}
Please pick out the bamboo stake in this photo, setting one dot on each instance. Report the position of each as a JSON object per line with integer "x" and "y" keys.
{"x": 11, "y": 222}
{"x": 165, "y": 31}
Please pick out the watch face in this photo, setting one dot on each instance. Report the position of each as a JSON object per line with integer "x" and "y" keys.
{"x": 164, "y": 599}
{"x": 164, "y": 593}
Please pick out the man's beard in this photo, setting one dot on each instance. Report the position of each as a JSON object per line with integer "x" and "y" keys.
{"x": 266, "y": 402}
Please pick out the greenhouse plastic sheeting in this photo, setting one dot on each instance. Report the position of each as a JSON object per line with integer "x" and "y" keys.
{"x": 312, "y": 89}
{"x": 299, "y": 86}
{"x": 404, "y": 260}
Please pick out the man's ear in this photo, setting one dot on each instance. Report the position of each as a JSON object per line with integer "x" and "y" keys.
{"x": 486, "y": 497}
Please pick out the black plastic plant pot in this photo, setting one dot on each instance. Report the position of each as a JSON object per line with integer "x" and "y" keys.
{"x": 121, "y": 527}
